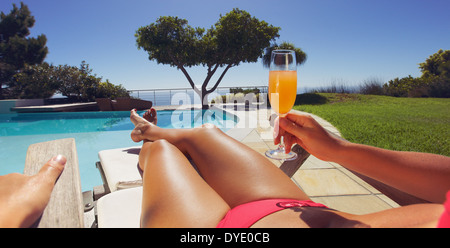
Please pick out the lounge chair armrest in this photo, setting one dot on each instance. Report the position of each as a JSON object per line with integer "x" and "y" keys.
{"x": 65, "y": 208}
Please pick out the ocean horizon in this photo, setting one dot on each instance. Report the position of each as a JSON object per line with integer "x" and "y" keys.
{"x": 166, "y": 97}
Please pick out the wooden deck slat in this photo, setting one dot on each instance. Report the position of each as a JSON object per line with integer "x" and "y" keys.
{"x": 65, "y": 208}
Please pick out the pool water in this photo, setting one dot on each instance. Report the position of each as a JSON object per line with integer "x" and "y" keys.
{"x": 93, "y": 132}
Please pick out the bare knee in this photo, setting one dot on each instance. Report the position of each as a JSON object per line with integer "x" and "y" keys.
{"x": 154, "y": 145}
{"x": 155, "y": 148}
{"x": 208, "y": 129}
{"x": 209, "y": 125}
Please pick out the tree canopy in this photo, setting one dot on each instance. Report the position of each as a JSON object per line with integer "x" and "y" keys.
{"x": 76, "y": 83}
{"x": 237, "y": 37}
{"x": 26, "y": 75}
{"x": 437, "y": 65}
{"x": 17, "y": 49}
{"x": 300, "y": 56}
{"x": 434, "y": 82}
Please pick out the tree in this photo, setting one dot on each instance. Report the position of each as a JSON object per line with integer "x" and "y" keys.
{"x": 436, "y": 74}
{"x": 78, "y": 83}
{"x": 402, "y": 87}
{"x": 434, "y": 82}
{"x": 237, "y": 37}
{"x": 109, "y": 90}
{"x": 16, "y": 50}
{"x": 300, "y": 56}
{"x": 437, "y": 65}
{"x": 34, "y": 81}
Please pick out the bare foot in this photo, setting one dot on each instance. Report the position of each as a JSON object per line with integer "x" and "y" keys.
{"x": 23, "y": 198}
{"x": 142, "y": 125}
{"x": 151, "y": 116}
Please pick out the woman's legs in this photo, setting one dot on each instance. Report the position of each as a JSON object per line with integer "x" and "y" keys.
{"x": 174, "y": 195}
{"x": 236, "y": 172}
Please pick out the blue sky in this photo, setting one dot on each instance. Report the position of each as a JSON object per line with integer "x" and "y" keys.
{"x": 347, "y": 41}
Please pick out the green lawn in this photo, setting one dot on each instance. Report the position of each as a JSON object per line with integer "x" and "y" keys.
{"x": 406, "y": 124}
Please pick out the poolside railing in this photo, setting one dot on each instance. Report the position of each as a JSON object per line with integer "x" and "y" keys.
{"x": 180, "y": 96}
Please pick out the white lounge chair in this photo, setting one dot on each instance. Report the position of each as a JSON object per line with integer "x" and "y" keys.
{"x": 120, "y": 209}
{"x": 121, "y": 206}
{"x": 119, "y": 167}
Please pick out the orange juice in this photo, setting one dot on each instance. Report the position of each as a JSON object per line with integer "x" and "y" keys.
{"x": 282, "y": 90}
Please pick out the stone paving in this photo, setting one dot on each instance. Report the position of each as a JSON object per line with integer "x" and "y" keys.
{"x": 324, "y": 182}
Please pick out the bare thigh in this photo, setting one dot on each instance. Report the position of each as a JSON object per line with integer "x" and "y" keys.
{"x": 236, "y": 172}
{"x": 174, "y": 195}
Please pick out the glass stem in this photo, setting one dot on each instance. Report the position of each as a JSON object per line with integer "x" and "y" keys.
{"x": 281, "y": 145}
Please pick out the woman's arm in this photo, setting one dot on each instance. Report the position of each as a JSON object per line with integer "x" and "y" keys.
{"x": 424, "y": 175}
{"x": 420, "y": 174}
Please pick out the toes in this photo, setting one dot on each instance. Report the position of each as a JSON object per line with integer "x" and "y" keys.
{"x": 151, "y": 116}
{"x": 134, "y": 116}
{"x": 147, "y": 114}
{"x": 153, "y": 113}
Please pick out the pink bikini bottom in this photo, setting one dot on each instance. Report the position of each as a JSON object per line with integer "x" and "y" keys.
{"x": 247, "y": 214}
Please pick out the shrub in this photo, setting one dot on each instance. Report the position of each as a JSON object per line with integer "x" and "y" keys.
{"x": 372, "y": 87}
{"x": 428, "y": 86}
{"x": 339, "y": 87}
{"x": 439, "y": 88}
{"x": 310, "y": 98}
{"x": 109, "y": 90}
{"x": 246, "y": 91}
{"x": 401, "y": 87}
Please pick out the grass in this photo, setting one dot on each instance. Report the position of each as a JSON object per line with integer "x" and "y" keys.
{"x": 403, "y": 124}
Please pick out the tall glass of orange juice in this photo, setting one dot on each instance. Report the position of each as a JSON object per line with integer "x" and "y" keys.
{"x": 282, "y": 92}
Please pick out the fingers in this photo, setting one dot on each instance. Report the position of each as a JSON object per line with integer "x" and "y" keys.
{"x": 278, "y": 132}
{"x": 290, "y": 127}
{"x": 298, "y": 117}
{"x": 54, "y": 167}
{"x": 288, "y": 142}
{"x": 294, "y": 127}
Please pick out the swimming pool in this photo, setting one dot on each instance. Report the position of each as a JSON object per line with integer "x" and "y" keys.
{"x": 93, "y": 132}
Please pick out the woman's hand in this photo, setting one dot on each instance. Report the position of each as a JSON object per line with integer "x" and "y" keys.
{"x": 308, "y": 133}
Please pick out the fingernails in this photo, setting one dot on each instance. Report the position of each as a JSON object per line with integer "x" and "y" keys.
{"x": 276, "y": 128}
{"x": 60, "y": 159}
